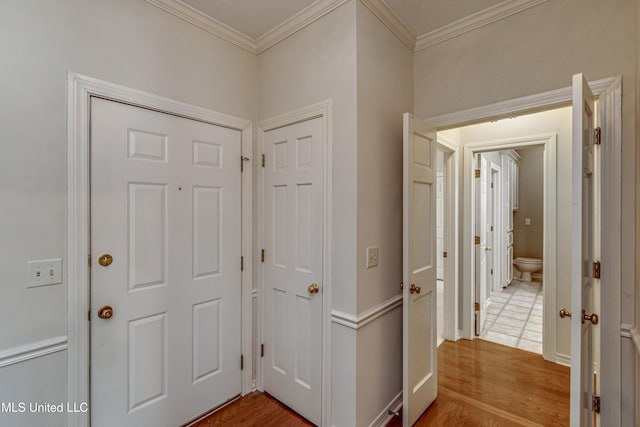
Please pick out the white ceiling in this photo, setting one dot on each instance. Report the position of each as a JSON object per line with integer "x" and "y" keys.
{"x": 251, "y": 17}
{"x": 424, "y": 16}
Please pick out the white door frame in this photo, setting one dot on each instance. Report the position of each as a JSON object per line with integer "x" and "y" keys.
{"x": 80, "y": 90}
{"x": 610, "y": 103}
{"x": 549, "y": 276}
{"x": 451, "y": 224}
{"x": 322, "y": 109}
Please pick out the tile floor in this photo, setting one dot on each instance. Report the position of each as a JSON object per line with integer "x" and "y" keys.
{"x": 514, "y": 317}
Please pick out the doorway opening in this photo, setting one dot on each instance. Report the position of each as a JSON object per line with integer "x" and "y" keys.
{"x": 510, "y": 184}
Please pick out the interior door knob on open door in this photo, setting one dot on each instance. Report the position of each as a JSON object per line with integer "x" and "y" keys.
{"x": 313, "y": 288}
{"x": 105, "y": 312}
{"x": 564, "y": 313}
{"x": 415, "y": 289}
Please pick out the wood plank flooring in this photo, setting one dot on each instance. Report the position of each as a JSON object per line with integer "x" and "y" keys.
{"x": 480, "y": 383}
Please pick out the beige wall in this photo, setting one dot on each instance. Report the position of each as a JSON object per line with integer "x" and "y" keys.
{"x": 527, "y": 239}
{"x": 385, "y": 91}
{"x": 127, "y": 42}
{"x": 535, "y": 51}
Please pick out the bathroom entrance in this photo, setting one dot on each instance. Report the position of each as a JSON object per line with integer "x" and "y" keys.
{"x": 512, "y": 192}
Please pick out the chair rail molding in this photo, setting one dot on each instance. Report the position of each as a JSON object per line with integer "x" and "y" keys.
{"x": 32, "y": 350}
{"x": 368, "y": 316}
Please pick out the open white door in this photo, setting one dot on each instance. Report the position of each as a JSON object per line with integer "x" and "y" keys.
{"x": 420, "y": 372}
{"x": 582, "y": 254}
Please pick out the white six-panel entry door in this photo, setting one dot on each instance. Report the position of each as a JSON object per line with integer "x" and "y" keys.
{"x": 165, "y": 206}
{"x": 293, "y": 280}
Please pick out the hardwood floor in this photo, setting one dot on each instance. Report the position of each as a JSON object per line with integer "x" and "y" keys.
{"x": 480, "y": 383}
{"x": 255, "y": 409}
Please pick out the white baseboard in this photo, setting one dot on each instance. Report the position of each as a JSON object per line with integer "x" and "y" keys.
{"x": 563, "y": 359}
{"x": 384, "y": 417}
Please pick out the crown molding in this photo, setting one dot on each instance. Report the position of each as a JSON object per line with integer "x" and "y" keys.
{"x": 305, "y": 17}
{"x": 207, "y": 23}
{"x": 472, "y": 22}
{"x": 388, "y": 17}
{"x": 292, "y": 25}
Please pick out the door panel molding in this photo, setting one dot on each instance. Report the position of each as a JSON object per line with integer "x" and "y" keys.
{"x": 323, "y": 109}
{"x": 80, "y": 90}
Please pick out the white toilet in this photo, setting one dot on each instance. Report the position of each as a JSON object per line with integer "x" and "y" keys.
{"x": 527, "y": 266}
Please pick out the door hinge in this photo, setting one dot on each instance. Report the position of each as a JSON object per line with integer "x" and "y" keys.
{"x": 595, "y": 404}
{"x": 89, "y": 259}
{"x": 264, "y": 160}
{"x": 477, "y": 173}
{"x": 89, "y": 315}
{"x": 476, "y": 306}
{"x": 444, "y": 254}
{"x": 597, "y": 136}
{"x": 261, "y": 350}
{"x": 241, "y": 263}
{"x": 242, "y": 160}
{"x": 262, "y": 255}
{"x": 241, "y": 362}
{"x": 476, "y": 240}
{"x": 491, "y": 228}
{"x": 492, "y": 271}
{"x": 492, "y": 185}
{"x": 596, "y": 270}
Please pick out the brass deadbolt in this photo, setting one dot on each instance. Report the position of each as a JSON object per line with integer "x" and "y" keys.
{"x": 105, "y": 260}
{"x": 105, "y": 312}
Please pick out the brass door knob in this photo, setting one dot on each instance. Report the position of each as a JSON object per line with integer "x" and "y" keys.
{"x": 564, "y": 313}
{"x": 105, "y": 312}
{"x": 414, "y": 289}
{"x": 105, "y": 260}
{"x": 488, "y": 248}
{"x": 313, "y": 288}
{"x": 593, "y": 318}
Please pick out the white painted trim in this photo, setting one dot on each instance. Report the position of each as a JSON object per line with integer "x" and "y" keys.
{"x": 368, "y": 316}
{"x": 509, "y": 108}
{"x": 285, "y": 29}
{"x": 635, "y": 337}
{"x": 32, "y": 350}
{"x": 609, "y": 112}
{"x": 451, "y": 224}
{"x": 207, "y": 23}
{"x": 390, "y": 20}
{"x": 80, "y": 89}
{"x": 563, "y": 359}
{"x": 322, "y": 109}
{"x": 305, "y": 17}
{"x": 549, "y": 141}
{"x": 384, "y": 417}
{"x": 472, "y": 22}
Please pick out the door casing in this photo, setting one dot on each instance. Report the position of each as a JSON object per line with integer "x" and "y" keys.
{"x": 80, "y": 91}
{"x": 322, "y": 109}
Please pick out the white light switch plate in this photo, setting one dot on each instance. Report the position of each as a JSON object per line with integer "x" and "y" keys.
{"x": 527, "y": 221}
{"x": 44, "y": 272}
{"x": 372, "y": 257}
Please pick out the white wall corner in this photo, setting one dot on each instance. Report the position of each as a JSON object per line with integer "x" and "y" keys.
{"x": 472, "y": 22}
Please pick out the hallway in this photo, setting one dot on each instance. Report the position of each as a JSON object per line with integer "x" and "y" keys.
{"x": 480, "y": 384}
